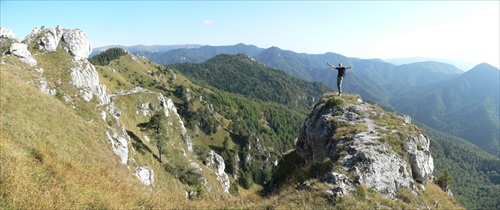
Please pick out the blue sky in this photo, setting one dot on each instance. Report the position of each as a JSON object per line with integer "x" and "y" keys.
{"x": 458, "y": 30}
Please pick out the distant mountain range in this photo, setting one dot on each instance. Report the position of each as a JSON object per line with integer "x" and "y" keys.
{"x": 435, "y": 93}
{"x": 462, "y": 65}
{"x": 466, "y": 106}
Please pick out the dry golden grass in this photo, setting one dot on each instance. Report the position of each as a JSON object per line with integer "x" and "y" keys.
{"x": 53, "y": 159}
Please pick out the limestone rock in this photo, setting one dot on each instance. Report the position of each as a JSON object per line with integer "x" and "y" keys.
{"x": 84, "y": 75}
{"x": 20, "y": 50}
{"x": 146, "y": 175}
{"x": 50, "y": 39}
{"x": 7, "y": 33}
{"x": 375, "y": 162}
{"x": 420, "y": 158}
{"x": 78, "y": 44}
{"x": 119, "y": 145}
{"x": 216, "y": 163}
{"x": 340, "y": 184}
{"x": 169, "y": 107}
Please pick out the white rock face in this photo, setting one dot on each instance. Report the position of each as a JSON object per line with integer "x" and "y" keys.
{"x": 79, "y": 45}
{"x": 168, "y": 106}
{"x": 20, "y": 50}
{"x": 420, "y": 158}
{"x": 374, "y": 162}
{"x": 216, "y": 163}
{"x": 84, "y": 75}
{"x": 119, "y": 145}
{"x": 7, "y": 33}
{"x": 50, "y": 39}
{"x": 146, "y": 175}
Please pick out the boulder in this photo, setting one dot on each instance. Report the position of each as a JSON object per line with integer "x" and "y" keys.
{"x": 145, "y": 174}
{"x": 21, "y": 51}
{"x": 78, "y": 44}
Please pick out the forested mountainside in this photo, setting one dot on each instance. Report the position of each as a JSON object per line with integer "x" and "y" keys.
{"x": 243, "y": 75}
{"x": 466, "y": 106}
{"x": 119, "y": 131}
{"x": 377, "y": 81}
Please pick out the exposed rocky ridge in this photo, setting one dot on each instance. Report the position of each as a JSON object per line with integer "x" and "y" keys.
{"x": 364, "y": 141}
{"x": 84, "y": 77}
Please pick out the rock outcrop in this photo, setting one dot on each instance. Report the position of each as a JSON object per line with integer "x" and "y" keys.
{"x": 146, "y": 175}
{"x": 49, "y": 39}
{"x": 84, "y": 76}
{"x": 383, "y": 150}
{"x": 216, "y": 163}
{"x": 7, "y": 33}
{"x": 78, "y": 44}
{"x": 21, "y": 51}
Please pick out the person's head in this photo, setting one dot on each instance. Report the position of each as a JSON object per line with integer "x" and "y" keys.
{"x": 340, "y": 64}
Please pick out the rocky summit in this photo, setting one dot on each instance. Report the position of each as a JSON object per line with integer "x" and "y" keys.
{"x": 380, "y": 150}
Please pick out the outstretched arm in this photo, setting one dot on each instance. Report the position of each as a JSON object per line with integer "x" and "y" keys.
{"x": 329, "y": 64}
{"x": 348, "y": 67}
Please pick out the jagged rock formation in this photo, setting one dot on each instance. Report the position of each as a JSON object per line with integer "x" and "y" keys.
{"x": 216, "y": 163}
{"x": 48, "y": 39}
{"x": 383, "y": 150}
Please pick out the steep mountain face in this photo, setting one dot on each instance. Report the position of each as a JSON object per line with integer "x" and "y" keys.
{"x": 465, "y": 106}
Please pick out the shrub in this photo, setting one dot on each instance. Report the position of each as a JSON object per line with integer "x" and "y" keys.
{"x": 333, "y": 102}
{"x": 445, "y": 180}
{"x": 234, "y": 190}
{"x": 186, "y": 175}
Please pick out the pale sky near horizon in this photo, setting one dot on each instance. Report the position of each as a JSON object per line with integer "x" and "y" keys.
{"x": 458, "y": 30}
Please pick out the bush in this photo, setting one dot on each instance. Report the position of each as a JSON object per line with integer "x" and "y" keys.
{"x": 333, "y": 102}
{"x": 445, "y": 180}
{"x": 186, "y": 175}
{"x": 234, "y": 190}
{"x": 246, "y": 180}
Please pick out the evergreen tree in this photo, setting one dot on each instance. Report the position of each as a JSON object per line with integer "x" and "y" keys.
{"x": 157, "y": 128}
{"x": 445, "y": 180}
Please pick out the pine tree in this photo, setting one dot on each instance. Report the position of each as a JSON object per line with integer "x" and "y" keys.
{"x": 157, "y": 128}
{"x": 445, "y": 180}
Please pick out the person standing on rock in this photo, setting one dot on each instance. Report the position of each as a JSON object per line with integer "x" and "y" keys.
{"x": 340, "y": 76}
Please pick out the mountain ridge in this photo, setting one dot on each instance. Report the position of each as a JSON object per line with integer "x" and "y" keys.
{"x": 191, "y": 173}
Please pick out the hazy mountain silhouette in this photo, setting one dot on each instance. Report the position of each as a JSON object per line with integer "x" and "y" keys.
{"x": 465, "y": 106}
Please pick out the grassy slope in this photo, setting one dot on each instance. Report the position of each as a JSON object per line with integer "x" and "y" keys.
{"x": 53, "y": 158}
